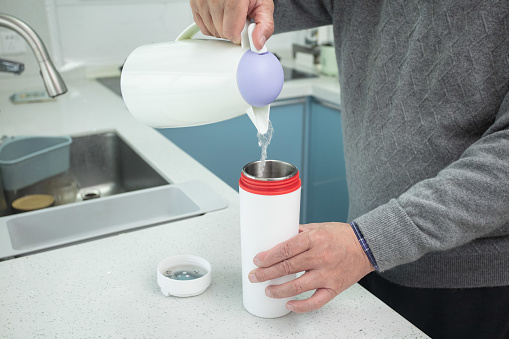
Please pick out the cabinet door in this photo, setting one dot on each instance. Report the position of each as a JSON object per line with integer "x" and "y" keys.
{"x": 327, "y": 195}
{"x": 225, "y": 147}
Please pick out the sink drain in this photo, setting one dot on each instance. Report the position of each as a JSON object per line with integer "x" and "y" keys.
{"x": 88, "y": 195}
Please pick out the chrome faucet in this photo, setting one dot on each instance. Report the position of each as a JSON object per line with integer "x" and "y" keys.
{"x": 52, "y": 79}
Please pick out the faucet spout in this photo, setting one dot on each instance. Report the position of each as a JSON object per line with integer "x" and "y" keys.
{"x": 52, "y": 80}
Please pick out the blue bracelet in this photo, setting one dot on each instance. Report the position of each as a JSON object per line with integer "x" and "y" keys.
{"x": 364, "y": 244}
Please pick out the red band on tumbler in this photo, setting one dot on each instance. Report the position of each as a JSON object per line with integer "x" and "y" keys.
{"x": 262, "y": 187}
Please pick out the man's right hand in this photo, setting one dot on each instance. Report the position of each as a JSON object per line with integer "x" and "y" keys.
{"x": 226, "y": 18}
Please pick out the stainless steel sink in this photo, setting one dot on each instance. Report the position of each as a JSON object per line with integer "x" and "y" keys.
{"x": 105, "y": 164}
{"x": 101, "y": 164}
{"x": 118, "y": 191}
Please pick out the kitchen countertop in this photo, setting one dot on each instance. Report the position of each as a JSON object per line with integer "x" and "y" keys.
{"x": 107, "y": 287}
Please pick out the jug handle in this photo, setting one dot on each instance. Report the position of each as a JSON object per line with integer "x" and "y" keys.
{"x": 189, "y": 32}
{"x": 192, "y": 29}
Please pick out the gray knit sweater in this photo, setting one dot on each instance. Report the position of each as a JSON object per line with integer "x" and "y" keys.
{"x": 425, "y": 112}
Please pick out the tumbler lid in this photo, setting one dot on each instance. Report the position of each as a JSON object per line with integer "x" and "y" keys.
{"x": 183, "y": 275}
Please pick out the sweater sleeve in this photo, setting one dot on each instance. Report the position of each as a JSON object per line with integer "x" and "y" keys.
{"x": 291, "y": 15}
{"x": 468, "y": 199}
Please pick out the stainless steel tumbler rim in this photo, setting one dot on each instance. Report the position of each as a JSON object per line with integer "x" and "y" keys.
{"x": 274, "y": 170}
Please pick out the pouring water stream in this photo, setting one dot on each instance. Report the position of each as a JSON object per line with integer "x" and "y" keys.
{"x": 264, "y": 141}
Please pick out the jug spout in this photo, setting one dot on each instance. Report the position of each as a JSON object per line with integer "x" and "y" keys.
{"x": 259, "y": 117}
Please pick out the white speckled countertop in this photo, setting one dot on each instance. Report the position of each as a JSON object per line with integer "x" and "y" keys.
{"x": 107, "y": 288}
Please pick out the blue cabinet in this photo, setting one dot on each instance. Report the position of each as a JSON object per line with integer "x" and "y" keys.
{"x": 307, "y": 133}
{"x": 327, "y": 192}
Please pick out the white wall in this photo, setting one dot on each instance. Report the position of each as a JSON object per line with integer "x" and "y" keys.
{"x": 106, "y": 31}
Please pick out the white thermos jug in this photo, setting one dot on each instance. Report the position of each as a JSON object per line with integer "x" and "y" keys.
{"x": 191, "y": 82}
{"x": 269, "y": 215}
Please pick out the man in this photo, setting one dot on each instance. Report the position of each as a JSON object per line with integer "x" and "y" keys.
{"x": 425, "y": 115}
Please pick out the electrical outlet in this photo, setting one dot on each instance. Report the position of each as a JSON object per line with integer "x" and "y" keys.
{"x": 12, "y": 43}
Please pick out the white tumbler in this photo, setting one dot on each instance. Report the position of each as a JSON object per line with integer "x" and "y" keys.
{"x": 269, "y": 215}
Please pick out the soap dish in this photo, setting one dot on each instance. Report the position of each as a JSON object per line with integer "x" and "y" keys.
{"x": 183, "y": 275}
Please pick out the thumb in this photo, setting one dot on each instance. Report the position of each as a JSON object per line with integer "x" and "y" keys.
{"x": 263, "y": 16}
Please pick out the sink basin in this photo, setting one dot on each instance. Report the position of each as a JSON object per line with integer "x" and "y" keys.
{"x": 105, "y": 164}
{"x": 127, "y": 193}
{"x": 102, "y": 164}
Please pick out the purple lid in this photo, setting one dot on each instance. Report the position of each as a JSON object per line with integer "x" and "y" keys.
{"x": 259, "y": 78}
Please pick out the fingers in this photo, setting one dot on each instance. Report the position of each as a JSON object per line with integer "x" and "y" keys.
{"x": 203, "y": 13}
{"x": 226, "y": 18}
{"x": 234, "y": 19}
{"x": 221, "y": 19}
{"x": 321, "y": 297}
{"x": 282, "y": 268}
{"x": 199, "y": 22}
{"x": 283, "y": 251}
{"x": 307, "y": 282}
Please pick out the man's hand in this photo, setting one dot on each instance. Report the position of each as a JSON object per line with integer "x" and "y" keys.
{"x": 226, "y": 18}
{"x": 330, "y": 255}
